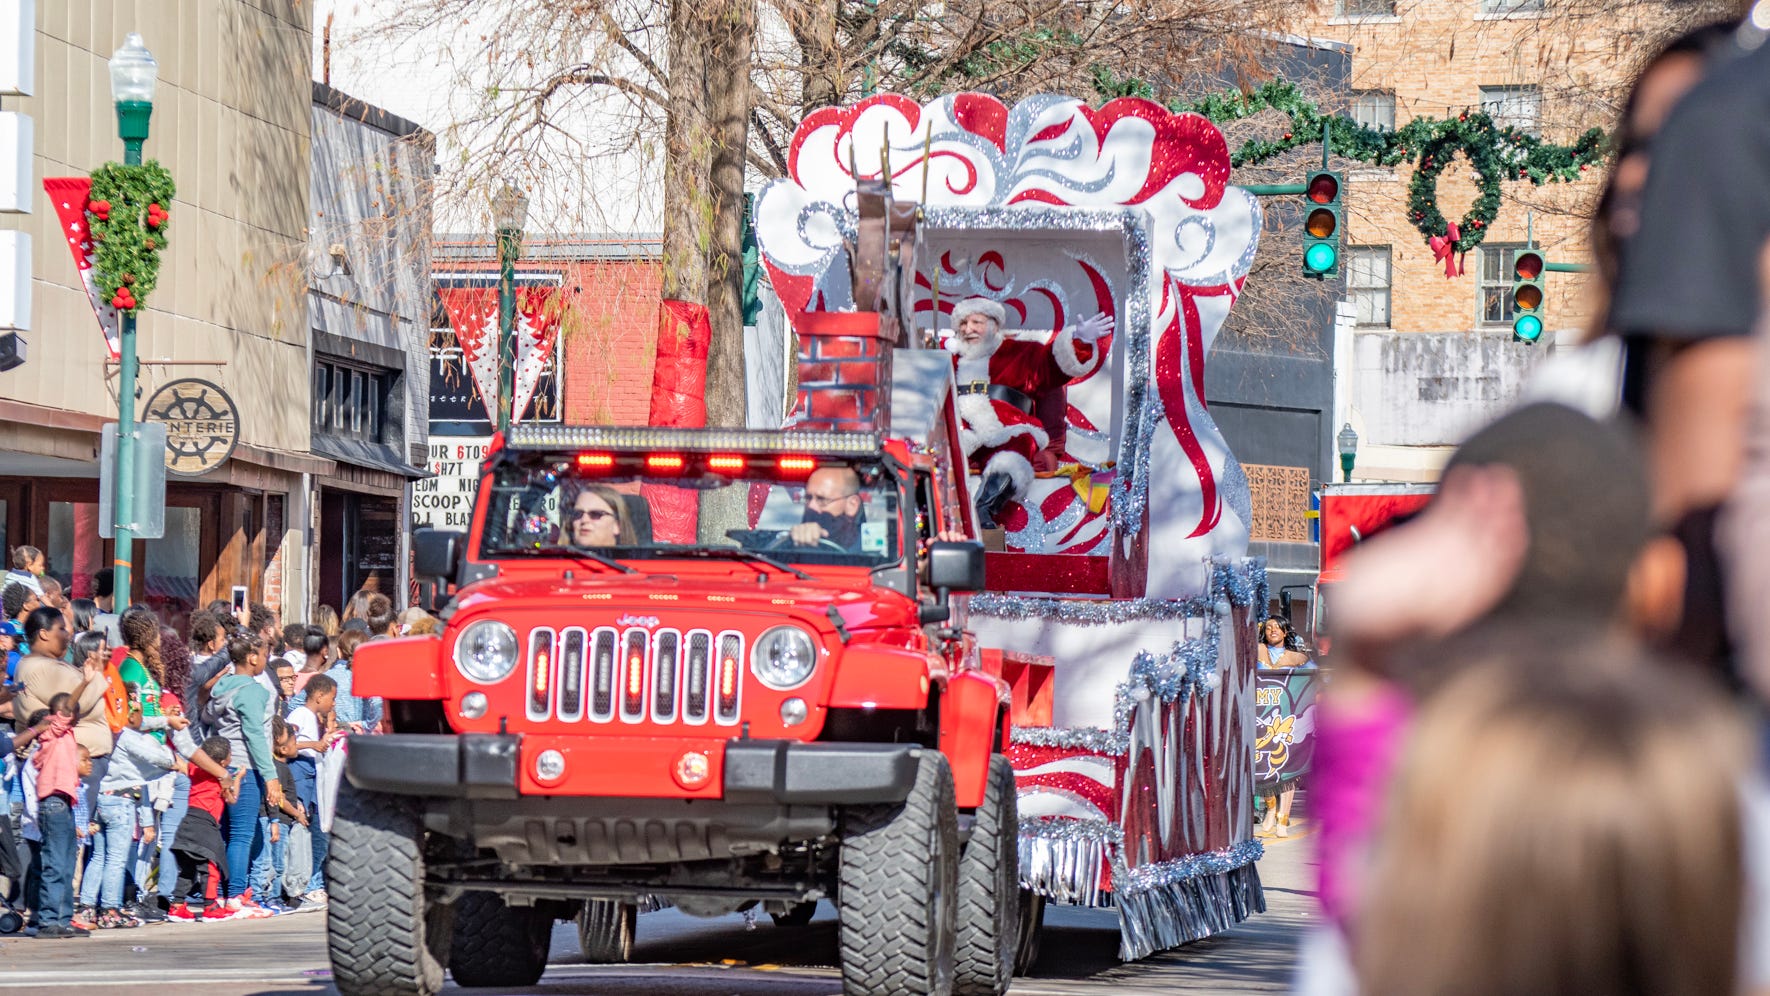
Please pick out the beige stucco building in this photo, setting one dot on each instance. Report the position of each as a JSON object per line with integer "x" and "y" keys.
{"x": 242, "y": 288}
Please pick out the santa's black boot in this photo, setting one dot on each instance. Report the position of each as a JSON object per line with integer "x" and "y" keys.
{"x": 992, "y": 496}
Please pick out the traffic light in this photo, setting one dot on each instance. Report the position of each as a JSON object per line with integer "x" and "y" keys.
{"x": 1321, "y": 224}
{"x": 1527, "y": 295}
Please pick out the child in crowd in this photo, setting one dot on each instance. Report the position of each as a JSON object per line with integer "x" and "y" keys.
{"x": 197, "y": 845}
{"x": 314, "y": 726}
{"x": 56, "y": 766}
{"x": 279, "y": 819}
{"x": 136, "y": 760}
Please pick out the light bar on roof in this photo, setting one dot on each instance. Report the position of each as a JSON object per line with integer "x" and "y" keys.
{"x": 578, "y": 437}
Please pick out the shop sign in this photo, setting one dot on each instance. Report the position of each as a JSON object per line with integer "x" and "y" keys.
{"x": 202, "y": 425}
{"x": 445, "y": 499}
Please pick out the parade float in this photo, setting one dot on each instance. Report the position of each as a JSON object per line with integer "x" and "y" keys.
{"x": 1120, "y": 602}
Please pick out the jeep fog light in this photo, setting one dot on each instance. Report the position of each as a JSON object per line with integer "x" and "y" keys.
{"x": 486, "y": 651}
{"x": 783, "y": 658}
{"x": 473, "y": 705}
{"x": 549, "y": 766}
{"x": 793, "y": 712}
{"x": 692, "y": 770}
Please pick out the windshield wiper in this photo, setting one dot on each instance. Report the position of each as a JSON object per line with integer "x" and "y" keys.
{"x": 588, "y": 554}
{"x": 728, "y": 553}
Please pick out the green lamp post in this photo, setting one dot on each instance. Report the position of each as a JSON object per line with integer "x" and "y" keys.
{"x": 510, "y": 209}
{"x": 134, "y": 75}
{"x": 1348, "y": 441}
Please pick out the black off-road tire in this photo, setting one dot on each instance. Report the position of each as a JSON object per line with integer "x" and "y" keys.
{"x": 989, "y": 890}
{"x": 497, "y": 944}
{"x": 898, "y": 890}
{"x": 383, "y": 936}
{"x": 1032, "y": 928}
{"x": 797, "y": 915}
{"x": 605, "y": 931}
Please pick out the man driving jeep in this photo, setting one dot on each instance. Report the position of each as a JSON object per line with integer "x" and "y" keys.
{"x": 832, "y": 510}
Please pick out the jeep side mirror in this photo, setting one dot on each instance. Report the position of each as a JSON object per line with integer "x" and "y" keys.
{"x": 1284, "y": 606}
{"x": 436, "y": 552}
{"x": 955, "y": 566}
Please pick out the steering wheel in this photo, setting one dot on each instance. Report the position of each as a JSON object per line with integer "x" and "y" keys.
{"x": 785, "y": 536}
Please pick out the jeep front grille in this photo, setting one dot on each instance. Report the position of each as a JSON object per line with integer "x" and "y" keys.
{"x": 635, "y": 675}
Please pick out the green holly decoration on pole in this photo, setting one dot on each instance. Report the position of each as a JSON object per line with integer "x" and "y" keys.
{"x": 128, "y": 214}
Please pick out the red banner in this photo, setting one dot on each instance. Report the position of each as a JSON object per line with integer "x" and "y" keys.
{"x": 679, "y": 399}
{"x": 473, "y": 311}
{"x": 69, "y": 194}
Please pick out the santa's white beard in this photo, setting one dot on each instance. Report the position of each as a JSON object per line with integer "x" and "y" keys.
{"x": 981, "y": 349}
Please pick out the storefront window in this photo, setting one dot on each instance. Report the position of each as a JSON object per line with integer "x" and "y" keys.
{"x": 171, "y": 573}
{"x": 75, "y": 551}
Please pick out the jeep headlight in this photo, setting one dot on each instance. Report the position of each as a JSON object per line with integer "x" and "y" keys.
{"x": 486, "y": 651}
{"x": 783, "y": 658}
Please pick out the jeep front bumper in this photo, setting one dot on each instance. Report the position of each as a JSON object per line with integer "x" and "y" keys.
{"x": 743, "y": 772}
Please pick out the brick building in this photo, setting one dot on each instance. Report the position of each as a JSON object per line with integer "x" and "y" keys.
{"x": 601, "y": 370}
{"x": 1432, "y": 357}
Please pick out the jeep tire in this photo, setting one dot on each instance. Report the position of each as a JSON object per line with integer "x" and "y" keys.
{"x": 989, "y": 890}
{"x": 605, "y": 931}
{"x": 497, "y": 944}
{"x": 1031, "y": 910}
{"x": 383, "y": 936}
{"x": 897, "y": 889}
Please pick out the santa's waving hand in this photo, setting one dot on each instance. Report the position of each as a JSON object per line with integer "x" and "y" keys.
{"x": 1000, "y": 383}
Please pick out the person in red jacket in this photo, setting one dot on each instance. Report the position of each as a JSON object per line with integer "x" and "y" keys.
{"x": 1001, "y": 381}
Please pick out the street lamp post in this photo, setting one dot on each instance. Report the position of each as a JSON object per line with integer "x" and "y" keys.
{"x": 134, "y": 75}
{"x": 1348, "y": 441}
{"x": 510, "y": 208}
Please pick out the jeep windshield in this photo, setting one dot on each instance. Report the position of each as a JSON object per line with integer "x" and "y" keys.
{"x": 789, "y": 509}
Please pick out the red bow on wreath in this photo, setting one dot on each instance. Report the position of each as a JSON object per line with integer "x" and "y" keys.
{"x": 1444, "y": 250}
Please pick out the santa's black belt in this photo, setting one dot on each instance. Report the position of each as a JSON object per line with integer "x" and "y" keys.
{"x": 1000, "y": 392}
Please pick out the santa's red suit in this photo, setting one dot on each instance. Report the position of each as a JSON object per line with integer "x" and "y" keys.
{"x": 1001, "y": 431}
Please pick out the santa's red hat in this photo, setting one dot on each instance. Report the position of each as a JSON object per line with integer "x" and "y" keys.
{"x": 991, "y": 310}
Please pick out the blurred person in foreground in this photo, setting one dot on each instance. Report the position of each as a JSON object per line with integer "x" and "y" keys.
{"x": 1542, "y": 519}
{"x": 1562, "y": 824}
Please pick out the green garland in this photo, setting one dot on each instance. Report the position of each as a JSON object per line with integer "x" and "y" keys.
{"x": 1496, "y": 154}
{"x": 128, "y": 213}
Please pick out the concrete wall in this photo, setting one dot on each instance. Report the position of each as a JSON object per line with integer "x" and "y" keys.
{"x": 231, "y": 123}
{"x": 371, "y": 195}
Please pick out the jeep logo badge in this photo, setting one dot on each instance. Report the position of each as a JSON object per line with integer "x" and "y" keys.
{"x": 644, "y": 622}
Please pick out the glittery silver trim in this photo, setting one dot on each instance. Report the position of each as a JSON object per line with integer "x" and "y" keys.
{"x": 1088, "y": 738}
{"x": 1064, "y": 859}
{"x": 1186, "y": 904}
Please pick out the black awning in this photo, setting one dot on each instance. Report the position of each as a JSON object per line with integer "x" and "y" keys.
{"x": 362, "y": 453}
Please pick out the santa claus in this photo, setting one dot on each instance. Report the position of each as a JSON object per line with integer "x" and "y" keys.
{"x": 1001, "y": 384}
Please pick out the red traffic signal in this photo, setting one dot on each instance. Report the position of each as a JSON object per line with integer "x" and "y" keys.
{"x": 1527, "y": 265}
{"x": 1324, "y": 188}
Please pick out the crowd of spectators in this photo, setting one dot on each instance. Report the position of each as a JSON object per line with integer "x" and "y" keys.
{"x": 157, "y": 776}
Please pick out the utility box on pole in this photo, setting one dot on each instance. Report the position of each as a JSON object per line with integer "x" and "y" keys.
{"x": 150, "y": 480}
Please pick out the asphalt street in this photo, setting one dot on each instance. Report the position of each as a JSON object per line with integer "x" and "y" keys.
{"x": 678, "y": 955}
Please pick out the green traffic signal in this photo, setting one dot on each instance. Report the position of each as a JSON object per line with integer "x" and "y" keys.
{"x": 1320, "y": 258}
{"x": 1321, "y": 224}
{"x": 1527, "y": 328}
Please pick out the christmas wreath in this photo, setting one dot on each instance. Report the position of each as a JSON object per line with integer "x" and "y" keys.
{"x": 128, "y": 214}
{"x": 1495, "y": 153}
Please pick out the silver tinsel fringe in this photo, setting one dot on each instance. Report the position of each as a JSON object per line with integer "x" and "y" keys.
{"x": 1063, "y": 860}
{"x": 1089, "y": 612}
{"x": 1088, "y": 738}
{"x": 1186, "y": 909}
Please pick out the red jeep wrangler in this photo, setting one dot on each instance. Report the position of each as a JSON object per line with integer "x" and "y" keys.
{"x": 788, "y": 709}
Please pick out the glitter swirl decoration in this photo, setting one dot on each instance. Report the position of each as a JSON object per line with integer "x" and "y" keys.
{"x": 1005, "y": 189}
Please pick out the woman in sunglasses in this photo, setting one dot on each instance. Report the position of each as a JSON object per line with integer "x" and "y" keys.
{"x": 596, "y": 516}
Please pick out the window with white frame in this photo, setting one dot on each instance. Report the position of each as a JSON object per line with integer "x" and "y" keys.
{"x": 1495, "y": 282}
{"x": 1364, "y": 8}
{"x": 1519, "y": 107}
{"x": 1368, "y": 281}
{"x": 1511, "y": 6}
{"x": 1374, "y": 109}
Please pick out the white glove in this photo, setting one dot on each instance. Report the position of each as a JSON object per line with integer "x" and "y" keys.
{"x": 1092, "y": 329}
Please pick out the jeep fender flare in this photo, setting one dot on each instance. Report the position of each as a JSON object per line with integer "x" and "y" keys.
{"x": 973, "y": 726}
{"x": 882, "y": 677}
